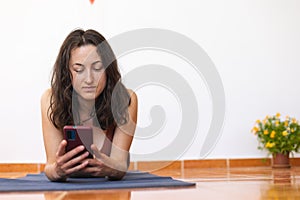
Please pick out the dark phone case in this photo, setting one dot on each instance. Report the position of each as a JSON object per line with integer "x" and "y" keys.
{"x": 79, "y": 135}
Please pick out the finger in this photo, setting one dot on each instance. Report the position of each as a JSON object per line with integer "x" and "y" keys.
{"x": 73, "y": 153}
{"x": 94, "y": 171}
{"x": 95, "y": 163}
{"x": 77, "y": 168}
{"x": 95, "y": 168}
{"x": 76, "y": 161}
{"x": 61, "y": 148}
{"x": 103, "y": 158}
{"x": 96, "y": 152}
{"x": 69, "y": 159}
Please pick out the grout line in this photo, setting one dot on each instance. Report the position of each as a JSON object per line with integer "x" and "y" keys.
{"x": 135, "y": 165}
{"x": 39, "y": 168}
{"x": 182, "y": 168}
{"x": 228, "y": 163}
{"x": 228, "y": 168}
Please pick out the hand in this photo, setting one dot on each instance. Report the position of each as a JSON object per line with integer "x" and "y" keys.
{"x": 102, "y": 165}
{"x": 68, "y": 163}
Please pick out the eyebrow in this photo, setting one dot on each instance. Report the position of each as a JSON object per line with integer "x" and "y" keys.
{"x": 98, "y": 61}
{"x": 79, "y": 64}
{"x": 82, "y": 65}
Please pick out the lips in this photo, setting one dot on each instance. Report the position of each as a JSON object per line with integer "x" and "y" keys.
{"x": 89, "y": 88}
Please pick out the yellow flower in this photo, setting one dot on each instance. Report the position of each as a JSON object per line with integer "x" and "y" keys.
{"x": 284, "y": 133}
{"x": 278, "y": 115}
{"x": 266, "y": 132}
{"x": 270, "y": 144}
{"x": 272, "y": 134}
{"x": 294, "y": 120}
{"x": 293, "y": 130}
{"x": 276, "y": 123}
{"x": 286, "y": 123}
{"x": 255, "y": 129}
{"x": 264, "y": 121}
{"x": 258, "y": 121}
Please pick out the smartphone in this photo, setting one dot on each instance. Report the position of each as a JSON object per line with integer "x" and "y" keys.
{"x": 79, "y": 135}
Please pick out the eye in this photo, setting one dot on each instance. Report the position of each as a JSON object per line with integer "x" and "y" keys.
{"x": 98, "y": 67}
{"x": 78, "y": 68}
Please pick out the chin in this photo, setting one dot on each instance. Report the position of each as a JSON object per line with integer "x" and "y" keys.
{"x": 88, "y": 96}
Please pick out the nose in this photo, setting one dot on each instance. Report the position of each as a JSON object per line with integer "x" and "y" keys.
{"x": 89, "y": 77}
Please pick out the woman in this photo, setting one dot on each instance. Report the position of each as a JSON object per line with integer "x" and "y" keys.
{"x": 86, "y": 90}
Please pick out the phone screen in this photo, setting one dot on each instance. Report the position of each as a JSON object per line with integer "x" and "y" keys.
{"x": 78, "y": 135}
{"x": 71, "y": 135}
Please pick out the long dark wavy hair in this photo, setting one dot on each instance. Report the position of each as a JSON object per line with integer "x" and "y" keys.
{"x": 109, "y": 111}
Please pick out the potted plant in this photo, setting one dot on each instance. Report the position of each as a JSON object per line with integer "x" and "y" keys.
{"x": 279, "y": 137}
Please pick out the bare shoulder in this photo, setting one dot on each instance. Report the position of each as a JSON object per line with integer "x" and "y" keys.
{"x": 46, "y": 94}
{"x": 45, "y": 98}
{"x": 133, "y": 96}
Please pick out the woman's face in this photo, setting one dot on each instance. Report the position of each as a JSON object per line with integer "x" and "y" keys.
{"x": 88, "y": 73}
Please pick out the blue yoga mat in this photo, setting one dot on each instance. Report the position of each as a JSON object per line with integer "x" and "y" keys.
{"x": 133, "y": 179}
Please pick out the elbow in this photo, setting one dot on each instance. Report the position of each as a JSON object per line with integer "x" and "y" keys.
{"x": 52, "y": 175}
{"x": 116, "y": 176}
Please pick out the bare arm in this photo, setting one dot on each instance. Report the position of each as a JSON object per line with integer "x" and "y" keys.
{"x": 59, "y": 164}
{"x": 115, "y": 165}
{"x": 123, "y": 138}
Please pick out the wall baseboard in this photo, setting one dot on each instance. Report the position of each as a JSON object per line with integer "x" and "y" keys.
{"x": 160, "y": 166}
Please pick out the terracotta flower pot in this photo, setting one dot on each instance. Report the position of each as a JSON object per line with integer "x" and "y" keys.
{"x": 280, "y": 160}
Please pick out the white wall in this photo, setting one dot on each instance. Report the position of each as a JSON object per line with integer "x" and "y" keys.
{"x": 254, "y": 45}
